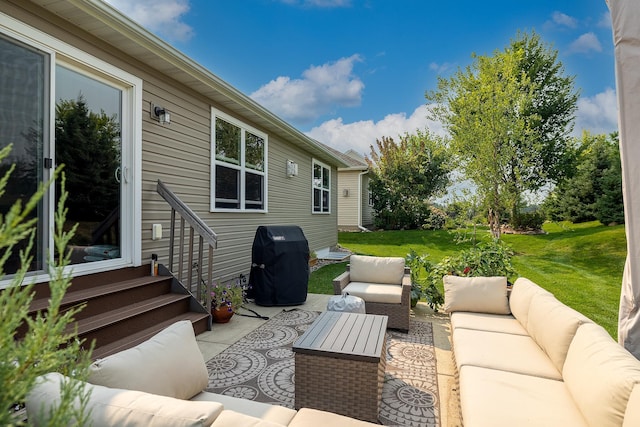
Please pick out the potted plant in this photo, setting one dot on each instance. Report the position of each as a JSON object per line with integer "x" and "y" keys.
{"x": 225, "y": 299}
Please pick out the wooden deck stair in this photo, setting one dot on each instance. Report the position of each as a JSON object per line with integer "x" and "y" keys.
{"x": 126, "y": 306}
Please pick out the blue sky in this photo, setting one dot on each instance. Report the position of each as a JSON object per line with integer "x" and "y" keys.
{"x": 349, "y": 71}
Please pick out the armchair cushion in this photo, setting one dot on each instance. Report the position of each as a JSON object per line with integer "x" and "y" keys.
{"x": 476, "y": 294}
{"x": 381, "y": 270}
{"x": 169, "y": 364}
{"x": 375, "y": 292}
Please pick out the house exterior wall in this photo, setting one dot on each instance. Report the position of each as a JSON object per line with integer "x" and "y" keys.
{"x": 348, "y": 204}
{"x": 179, "y": 154}
{"x": 367, "y": 210}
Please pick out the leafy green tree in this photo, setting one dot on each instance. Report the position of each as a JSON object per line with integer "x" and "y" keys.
{"x": 509, "y": 117}
{"x": 549, "y": 151}
{"x": 610, "y": 204}
{"x": 48, "y": 343}
{"x": 405, "y": 176}
{"x": 595, "y": 190}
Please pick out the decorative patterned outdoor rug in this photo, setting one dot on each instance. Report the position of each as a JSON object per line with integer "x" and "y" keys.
{"x": 260, "y": 366}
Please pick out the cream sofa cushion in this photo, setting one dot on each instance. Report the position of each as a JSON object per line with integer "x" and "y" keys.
{"x": 117, "y": 407}
{"x": 230, "y": 418}
{"x": 312, "y": 417}
{"x": 375, "y": 292}
{"x": 522, "y": 293}
{"x": 601, "y": 375}
{"x": 476, "y": 294}
{"x": 169, "y": 364}
{"x": 507, "y": 352}
{"x": 495, "y": 398}
{"x": 632, "y": 414}
{"x": 371, "y": 269}
{"x": 552, "y": 325}
{"x": 273, "y": 413}
{"x": 504, "y": 323}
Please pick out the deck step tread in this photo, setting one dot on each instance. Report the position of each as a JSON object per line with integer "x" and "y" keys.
{"x": 127, "y": 311}
{"x": 82, "y": 295}
{"x": 143, "y": 335}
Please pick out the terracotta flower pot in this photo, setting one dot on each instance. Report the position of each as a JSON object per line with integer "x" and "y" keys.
{"x": 221, "y": 314}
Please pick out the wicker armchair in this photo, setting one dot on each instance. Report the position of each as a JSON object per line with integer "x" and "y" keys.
{"x": 384, "y": 283}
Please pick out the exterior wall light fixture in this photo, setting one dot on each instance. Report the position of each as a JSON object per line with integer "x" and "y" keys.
{"x": 160, "y": 114}
{"x": 292, "y": 169}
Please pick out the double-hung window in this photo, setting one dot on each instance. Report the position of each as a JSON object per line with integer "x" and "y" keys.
{"x": 321, "y": 187}
{"x": 239, "y": 167}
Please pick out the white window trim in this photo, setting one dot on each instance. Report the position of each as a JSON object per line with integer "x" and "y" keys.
{"x": 313, "y": 187}
{"x": 67, "y": 55}
{"x": 242, "y": 168}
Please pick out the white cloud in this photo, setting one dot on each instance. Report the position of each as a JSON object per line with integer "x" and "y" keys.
{"x": 163, "y": 17}
{"x": 441, "y": 68}
{"x": 597, "y": 114}
{"x": 605, "y": 20}
{"x": 564, "y": 20}
{"x": 359, "y": 136}
{"x": 320, "y": 89}
{"x": 586, "y": 43}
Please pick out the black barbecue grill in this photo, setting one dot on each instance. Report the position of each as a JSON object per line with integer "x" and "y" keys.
{"x": 279, "y": 265}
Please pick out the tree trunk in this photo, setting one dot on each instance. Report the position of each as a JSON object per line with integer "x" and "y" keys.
{"x": 494, "y": 223}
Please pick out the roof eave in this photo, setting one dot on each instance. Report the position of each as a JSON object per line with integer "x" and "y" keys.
{"x": 163, "y": 57}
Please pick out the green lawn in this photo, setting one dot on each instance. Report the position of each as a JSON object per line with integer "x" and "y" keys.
{"x": 581, "y": 264}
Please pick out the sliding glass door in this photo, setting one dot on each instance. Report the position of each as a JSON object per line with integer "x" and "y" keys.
{"x": 24, "y": 125}
{"x": 55, "y": 110}
{"x": 88, "y": 144}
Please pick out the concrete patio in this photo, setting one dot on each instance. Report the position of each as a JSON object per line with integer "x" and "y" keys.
{"x": 222, "y": 336}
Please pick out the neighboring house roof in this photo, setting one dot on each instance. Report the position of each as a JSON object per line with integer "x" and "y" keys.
{"x": 352, "y": 160}
{"x": 116, "y": 29}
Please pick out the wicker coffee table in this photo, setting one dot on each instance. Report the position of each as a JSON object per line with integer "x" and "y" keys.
{"x": 339, "y": 364}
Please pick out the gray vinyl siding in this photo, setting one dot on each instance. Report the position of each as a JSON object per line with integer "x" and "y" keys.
{"x": 348, "y": 205}
{"x": 179, "y": 155}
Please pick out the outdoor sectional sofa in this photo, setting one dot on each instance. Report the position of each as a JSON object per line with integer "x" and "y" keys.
{"x": 160, "y": 383}
{"x": 526, "y": 359}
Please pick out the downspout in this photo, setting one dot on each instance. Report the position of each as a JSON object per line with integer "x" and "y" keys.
{"x": 360, "y": 175}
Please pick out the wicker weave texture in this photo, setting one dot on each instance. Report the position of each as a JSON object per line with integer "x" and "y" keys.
{"x": 347, "y": 387}
{"x": 399, "y": 314}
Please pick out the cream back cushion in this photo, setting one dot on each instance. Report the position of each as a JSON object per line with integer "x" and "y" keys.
{"x": 117, "y": 407}
{"x": 632, "y": 414}
{"x": 169, "y": 364}
{"x": 522, "y": 293}
{"x": 476, "y": 294}
{"x": 372, "y": 269}
{"x": 553, "y": 325}
{"x": 601, "y": 374}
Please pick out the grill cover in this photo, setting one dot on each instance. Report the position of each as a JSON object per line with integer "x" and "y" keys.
{"x": 279, "y": 265}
